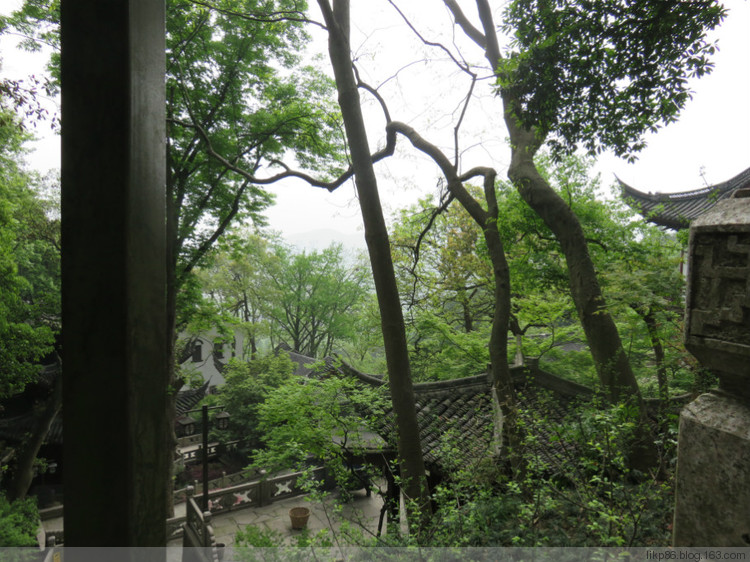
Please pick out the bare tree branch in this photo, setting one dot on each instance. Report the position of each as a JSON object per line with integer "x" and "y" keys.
{"x": 467, "y": 99}
{"x": 461, "y": 64}
{"x": 434, "y": 214}
{"x": 455, "y": 182}
{"x": 492, "y": 49}
{"x": 288, "y": 173}
{"x": 472, "y": 32}
{"x": 374, "y": 92}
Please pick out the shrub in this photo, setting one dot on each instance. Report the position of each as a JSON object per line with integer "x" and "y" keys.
{"x": 19, "y": 522}
{"x": 583, "y": 494}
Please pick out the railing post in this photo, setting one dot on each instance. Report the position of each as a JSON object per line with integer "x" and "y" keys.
{"x": 262, "y": 487}
{"x": 206, "y": 530}
{"x": 205, "y": 457}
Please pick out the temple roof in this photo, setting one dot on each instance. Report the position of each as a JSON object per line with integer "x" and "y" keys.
{"x": 677, "y": 210}
{"x": 457, "y": 415}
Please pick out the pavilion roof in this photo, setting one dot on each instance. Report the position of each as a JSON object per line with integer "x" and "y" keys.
{"x": 456, "y": 417}
{"x": 677, "y": 210}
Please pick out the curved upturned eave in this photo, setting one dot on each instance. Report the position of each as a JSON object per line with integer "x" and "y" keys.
{"x": 677, "y": 210}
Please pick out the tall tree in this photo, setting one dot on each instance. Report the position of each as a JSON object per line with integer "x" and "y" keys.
{"x": 235, "y": 280}
{"x": 226, "y": 97}
{"x": 230, "y": 109}
{"x": 29, "y": 290}
{"x": 413, "y": 478}
{"x": 312, "y": 295}
{"x": 302, "y": 298}
{"x": 597, "y": 75}
{"x": 29, "y": 266}
{"x": 248, "y": 384}
{"x": 638, "y": 265}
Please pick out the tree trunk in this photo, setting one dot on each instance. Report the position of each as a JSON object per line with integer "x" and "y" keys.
{"x": 170, "y": 437}
{"x": 26, "y": 455}
{"x": 612, "y": 365}
{"x": 515, "y": 329}
{"x": 609, "y": 356}
{"x": 414, "y": 481}
{"x": 661, "y": 369}
{"x": 502, "y": 381}
{"x": 499, "y": 336}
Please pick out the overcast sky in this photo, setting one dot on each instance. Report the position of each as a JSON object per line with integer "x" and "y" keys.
{"x": 711, "y": 136}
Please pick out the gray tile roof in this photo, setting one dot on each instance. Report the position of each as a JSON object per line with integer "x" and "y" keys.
{"x": 456, "y": 417}
{"x": 677, "y": 210}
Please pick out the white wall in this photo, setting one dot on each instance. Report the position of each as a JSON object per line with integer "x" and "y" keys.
{"x": 208, "y": 346}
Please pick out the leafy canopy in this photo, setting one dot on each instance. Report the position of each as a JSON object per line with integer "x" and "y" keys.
{"x": 236, "y": 90}
{"x": 247, "y": 386}
{"x": 29, "y": 264}
{"x": 309, "y": 300}
{"x": 322, "y": 417}
{"x": 600, "y": 73}
{"x": 18, "y": 522}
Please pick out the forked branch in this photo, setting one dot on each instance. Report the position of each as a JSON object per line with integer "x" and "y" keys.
{"x": 288, "y": 172}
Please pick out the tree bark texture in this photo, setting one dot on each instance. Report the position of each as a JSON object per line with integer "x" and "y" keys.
{"x": 27, "y": 453}
{"x": 649, "y": 318}
{"x": 612, "y": 365}
{"x": 487, "y": 220}
{"x": 610, "y": 359}
{"x": 413, "y": 478}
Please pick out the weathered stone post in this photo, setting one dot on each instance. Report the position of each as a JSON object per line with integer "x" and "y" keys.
{"x": 712, "y": 504}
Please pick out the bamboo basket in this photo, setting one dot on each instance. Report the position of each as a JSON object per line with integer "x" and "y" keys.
{"x": 299, "y": 517}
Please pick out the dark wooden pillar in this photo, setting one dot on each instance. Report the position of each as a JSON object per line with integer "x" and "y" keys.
{"x": 113, "y": 272}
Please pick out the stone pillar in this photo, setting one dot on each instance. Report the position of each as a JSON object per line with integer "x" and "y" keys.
{"x": 712, "y": 500}
{"x": 113, "y": 272}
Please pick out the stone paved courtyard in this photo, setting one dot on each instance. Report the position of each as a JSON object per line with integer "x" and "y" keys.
{"x": 362, "y": 512}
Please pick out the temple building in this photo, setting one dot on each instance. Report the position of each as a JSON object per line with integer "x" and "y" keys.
{"x": 677, "y": 210}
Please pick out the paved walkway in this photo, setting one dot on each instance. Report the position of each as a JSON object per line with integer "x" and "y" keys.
{"x": 362, "y": 512}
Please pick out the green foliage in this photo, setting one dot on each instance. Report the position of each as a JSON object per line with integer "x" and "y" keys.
{"x": 442, "y": 352}
{"x": 311, "y": 301}
{"x": 602, "y": 73}
{"x": 639, "y": 269}
{"x": 29, "y": 264}
{"x": 236, "y": 92}
{"x": 235, "y": 281}
{"x": 312, "y": 295}
{"x": 318, "y": 418}
{"x": 258, "y": 537}
{"x": 363, "y": 347}
{"x": 38, "y": 23}
{"x": 19, "y": 522}
{"x": 445, "y": 279}
{"x": 247, "y": 386}
{"x": 238, "y": 102}
{"x": 582, "y": 495}
{"x": 448, "y": 289}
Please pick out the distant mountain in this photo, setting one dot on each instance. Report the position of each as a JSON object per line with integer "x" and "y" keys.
{"x": 321, "y": 238}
